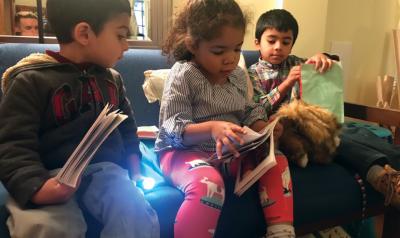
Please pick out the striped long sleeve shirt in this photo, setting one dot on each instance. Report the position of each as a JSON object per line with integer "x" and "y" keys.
{"x": 190, "y": 98}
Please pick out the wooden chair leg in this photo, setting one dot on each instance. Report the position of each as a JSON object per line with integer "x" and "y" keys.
{"x": 391, "y": 226}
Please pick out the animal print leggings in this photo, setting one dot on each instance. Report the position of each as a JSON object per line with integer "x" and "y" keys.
{"x": 204, "y": 191}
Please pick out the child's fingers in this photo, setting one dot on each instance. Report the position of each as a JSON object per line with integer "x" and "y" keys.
{"x": 238, "y": 129}
{"x": 296, "y": 71}
{"x": 317, "y": 64}
{"x": 218, "y": 147}
{"x": 325, "y": 65}
{"x": 234, "y": 137}
{"x": 227, "y": 142}
{"x": 296, "y": 68}
{"x": 310, "y": 61}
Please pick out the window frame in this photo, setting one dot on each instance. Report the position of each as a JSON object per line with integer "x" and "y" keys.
{"x": 160, "y": 18}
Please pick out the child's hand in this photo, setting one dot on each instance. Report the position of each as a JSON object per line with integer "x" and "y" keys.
{"x": 225, "y": 134}
{"x": 293, "y": 76}
{"x": 53, "y": 192}
{"x": 321, "y": 61}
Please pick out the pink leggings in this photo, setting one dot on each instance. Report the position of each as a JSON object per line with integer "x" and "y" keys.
{"x": 204, "y": 191}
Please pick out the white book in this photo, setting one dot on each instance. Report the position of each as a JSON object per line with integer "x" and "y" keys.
{"x": 105, "y": 123}
{"x": 252, "y": 141}
{"x": 147, "y": 132}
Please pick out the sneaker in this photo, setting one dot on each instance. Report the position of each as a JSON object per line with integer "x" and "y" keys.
{"x": 389, "y": 184}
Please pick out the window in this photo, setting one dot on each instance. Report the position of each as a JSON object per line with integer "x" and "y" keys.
{"x": 139, "y": 13}
{"x": 152, "y": 18}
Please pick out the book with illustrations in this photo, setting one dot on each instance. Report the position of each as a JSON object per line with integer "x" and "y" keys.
{"x": 105, "y": 123}
{"x": 253, "y": 140}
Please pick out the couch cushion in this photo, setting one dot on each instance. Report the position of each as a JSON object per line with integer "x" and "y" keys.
{"x": 131, "y": 67}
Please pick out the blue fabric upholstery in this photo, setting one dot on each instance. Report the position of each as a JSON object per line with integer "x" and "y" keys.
{"x": 320, "y": 192}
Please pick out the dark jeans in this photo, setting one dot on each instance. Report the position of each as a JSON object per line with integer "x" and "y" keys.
{"x": 360, "y": 149}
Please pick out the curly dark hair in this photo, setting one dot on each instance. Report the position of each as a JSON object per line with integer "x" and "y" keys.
{"x": 201, "y": 20}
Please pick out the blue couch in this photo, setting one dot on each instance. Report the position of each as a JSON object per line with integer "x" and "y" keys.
{"x": 324, "y": 196}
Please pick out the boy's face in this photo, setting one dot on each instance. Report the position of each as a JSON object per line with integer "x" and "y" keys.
{"x": 275, "y": 46}
{"x": 219, "y": 56}
{"x": 27, "y": 26}
{"x": 108, "y": 46}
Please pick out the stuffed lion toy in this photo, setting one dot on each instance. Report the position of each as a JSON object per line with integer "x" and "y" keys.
{"x": 310, "y": 133}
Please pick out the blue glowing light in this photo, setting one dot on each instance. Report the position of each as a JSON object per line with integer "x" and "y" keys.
{"x": 148, "y": 183}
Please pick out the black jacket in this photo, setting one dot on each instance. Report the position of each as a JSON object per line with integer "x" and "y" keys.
{"x": 46, "y": 109}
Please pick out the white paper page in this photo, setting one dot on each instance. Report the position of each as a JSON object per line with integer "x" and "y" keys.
{"x": 97, "y": 133}
{"x": 92, "y": 135}
{"x": 92, "y": 149}
{"x": 95, "y": 125}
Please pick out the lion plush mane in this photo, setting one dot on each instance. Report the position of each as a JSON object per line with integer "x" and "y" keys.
{"x": 310, "y": 133}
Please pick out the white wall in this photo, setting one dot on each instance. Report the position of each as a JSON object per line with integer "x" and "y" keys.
{"x": 253, "y": 13}
{"x": 367, "y": 25}
{"x": 311, "y": 17}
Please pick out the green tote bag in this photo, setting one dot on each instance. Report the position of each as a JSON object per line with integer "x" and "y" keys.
{"x": 325, "y": 90}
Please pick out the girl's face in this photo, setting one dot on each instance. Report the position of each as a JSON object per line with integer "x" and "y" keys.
{"x": 218, "y": 57}
{"x": 275, "y": 46}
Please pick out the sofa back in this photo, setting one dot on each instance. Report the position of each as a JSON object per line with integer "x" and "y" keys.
{"x": 131, "y": 67}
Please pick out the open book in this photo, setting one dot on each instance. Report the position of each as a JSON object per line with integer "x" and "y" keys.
{"x": 253, "y": 140}
{"x": 105, "y": 123}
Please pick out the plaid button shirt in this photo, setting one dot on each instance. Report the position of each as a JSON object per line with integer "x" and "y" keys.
{"x": 266, "y": 78}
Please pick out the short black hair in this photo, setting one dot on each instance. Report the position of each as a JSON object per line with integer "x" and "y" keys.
{"x": 278, "y": 19}
{"x": 24, "y": 14}
{"x": 64, "y": 15}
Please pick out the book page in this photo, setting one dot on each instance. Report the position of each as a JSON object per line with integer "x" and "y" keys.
{"x": 244, "y": 182}
{"x": 105, "y": 123}
{"x": 252, "y": 140}
{"x": 69, "y": 164}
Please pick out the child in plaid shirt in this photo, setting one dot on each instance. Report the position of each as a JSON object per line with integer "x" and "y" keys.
{"x": 275, "y": 77}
